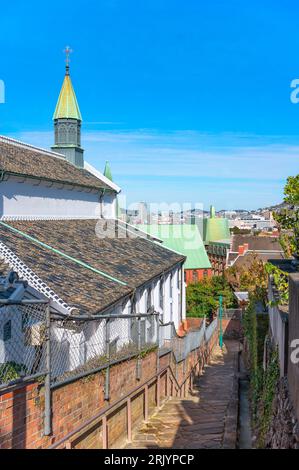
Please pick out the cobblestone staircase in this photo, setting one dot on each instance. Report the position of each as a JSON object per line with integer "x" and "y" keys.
{"x": 206, "y": 418}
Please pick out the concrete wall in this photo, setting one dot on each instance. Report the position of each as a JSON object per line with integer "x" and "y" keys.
{"x": 293, "y": 369}
{"x": 279, "y": 327}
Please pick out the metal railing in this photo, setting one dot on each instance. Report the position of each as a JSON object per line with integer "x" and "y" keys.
{"x": 36, "y": 343}
{"x": 81, "y": 345}
{"x": 25, "y": 352}
{"x": 232, "y": 313}
{"x": 182, "y": 346}
{"x": 23, "y": 341}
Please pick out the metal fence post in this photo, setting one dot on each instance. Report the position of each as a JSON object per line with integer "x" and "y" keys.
{"x": 220, "y": 320}
{"x": 48, "y": 410}
{"x": 158, "y": 342}
{"x": 138, "y": 366}
{"x": 107, "y": 376}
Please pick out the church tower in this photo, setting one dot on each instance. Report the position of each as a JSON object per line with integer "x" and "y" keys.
{"x": 67, "y": 121}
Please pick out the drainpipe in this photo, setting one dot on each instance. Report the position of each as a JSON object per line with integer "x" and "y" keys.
{"x": 48, "y": 413}
{"x": 107, "y": 376}
{"x": 182, "y": 291}
{"x": 2, "y": 175}
{"x": 138, "y": 365}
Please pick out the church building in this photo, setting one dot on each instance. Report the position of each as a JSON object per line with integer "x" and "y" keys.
{"x": 59, "y": 230}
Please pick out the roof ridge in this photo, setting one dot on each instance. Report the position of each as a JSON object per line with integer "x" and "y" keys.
{"x": 21, "y": 144}
{"x": 14, "y": 218}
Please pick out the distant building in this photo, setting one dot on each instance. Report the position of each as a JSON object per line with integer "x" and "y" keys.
{"x": 217, "y": 241}
{"x": 215, "y": 228}
{"x": 253, "y": 223}
{"x": 142, "y": 212}
{"x": 186, "y": 240}
{"x": 243, "y": 246}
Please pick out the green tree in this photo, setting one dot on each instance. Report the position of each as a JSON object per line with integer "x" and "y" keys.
{"x": 288, "y": 217}
{"x": 202, "y": 297}
{"x": 251, "y": 277}
{"x": 240, "y": 231}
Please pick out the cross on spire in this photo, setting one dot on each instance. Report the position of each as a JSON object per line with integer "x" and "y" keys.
{"x": 67, "y": 52}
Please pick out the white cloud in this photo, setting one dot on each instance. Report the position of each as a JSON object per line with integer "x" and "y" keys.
{"x": 232, "y": 163}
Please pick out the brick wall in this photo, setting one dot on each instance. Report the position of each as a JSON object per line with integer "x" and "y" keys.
{"x": 195, "y": 275}
{"x": 22, "y": 408}
{"x": 232, "y": 328}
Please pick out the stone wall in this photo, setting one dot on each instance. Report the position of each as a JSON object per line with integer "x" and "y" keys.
{"x": 284, "y": 427}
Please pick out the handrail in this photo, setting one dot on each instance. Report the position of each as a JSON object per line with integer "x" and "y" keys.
{"x": 108, "y": 409}
{"x": 104, "y": 412}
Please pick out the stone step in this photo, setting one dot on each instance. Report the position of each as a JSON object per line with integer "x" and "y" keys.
{"x": 196, "y": 421}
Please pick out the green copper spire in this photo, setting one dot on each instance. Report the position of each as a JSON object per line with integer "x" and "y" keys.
{"x": 67, "y": 121}
{"x": 67, "y": 106}
{"x": 107, "y": 171}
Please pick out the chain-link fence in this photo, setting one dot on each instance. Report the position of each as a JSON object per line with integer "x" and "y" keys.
{"x": 232, "y": 313}
{"x": 182, "y": 346}
{"x": 36, "y": 343}
{"x": 209, "y": 331}
{"x": 79, "y": 346}
{"x": 22, "y": 342}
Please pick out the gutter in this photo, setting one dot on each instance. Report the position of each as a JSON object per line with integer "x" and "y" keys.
{"x": 52, "y": 180}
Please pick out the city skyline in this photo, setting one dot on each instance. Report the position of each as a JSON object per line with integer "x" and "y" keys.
{"x": 183, "y": 110}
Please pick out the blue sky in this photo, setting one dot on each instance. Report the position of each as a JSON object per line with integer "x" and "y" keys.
{"x": 189, "y": 101}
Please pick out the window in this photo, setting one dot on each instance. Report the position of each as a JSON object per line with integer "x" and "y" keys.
{"x": 170, "y": 285}
{"x": 161, "y": 295}
{"x": 7, "y": 331}
{"x": 148, "y": 299}
{"x": 62, "y": 134}
{"x": 171, "y": 311}
{"x": 194, "y": 276}
{"x": 72, "y": 135}
{"x": 205, "y": 273}
{"x": 82, "y": 352}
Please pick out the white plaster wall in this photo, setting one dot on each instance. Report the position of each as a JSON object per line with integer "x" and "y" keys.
{"x": 72, "y": 347}
{"x": 41, "y": 200}
{"x": 172, "y": 310}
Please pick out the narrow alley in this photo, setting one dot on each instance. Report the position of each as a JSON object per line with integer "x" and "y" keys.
{"x": 207, "y": 418}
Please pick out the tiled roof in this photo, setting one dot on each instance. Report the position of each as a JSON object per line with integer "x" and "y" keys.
{"x": 4, "y": 268}
{"x": 133, "y": 261}
{"x": 21, "y": 159}
{"x": 246, "y": 259}
{"x": 255, "y": 242}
